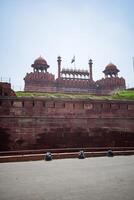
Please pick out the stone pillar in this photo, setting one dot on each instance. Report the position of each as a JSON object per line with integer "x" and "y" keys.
{"x": 59, "y": 65}
{"x": 90, "y": 69}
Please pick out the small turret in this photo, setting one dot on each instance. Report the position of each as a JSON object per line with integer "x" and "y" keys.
{"x": 90, "y": 69}
{"x": 59, "y": 65}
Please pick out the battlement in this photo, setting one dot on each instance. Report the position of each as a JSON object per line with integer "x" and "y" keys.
{"x": 37, "y": 123}
{"x": 39, "y": 106}
{"x": 39, "y": 76}
{"x": 111, "y": 83}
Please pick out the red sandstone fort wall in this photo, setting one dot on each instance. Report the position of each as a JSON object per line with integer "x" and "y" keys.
{"x": 35, "y": 123}
{"x": 5, "y": 89}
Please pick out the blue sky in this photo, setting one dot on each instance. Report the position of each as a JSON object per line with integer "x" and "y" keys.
{"x": 99, "y": 29}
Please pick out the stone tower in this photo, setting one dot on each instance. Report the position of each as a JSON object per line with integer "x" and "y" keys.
{"x": 40, "y": 80}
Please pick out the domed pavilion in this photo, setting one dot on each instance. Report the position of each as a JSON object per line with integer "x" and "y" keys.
{"x": 111, "y": 81}
{"x": 40, "y": 80}
{"x": 40, "y": 65}
{"x": 111, "y": 70}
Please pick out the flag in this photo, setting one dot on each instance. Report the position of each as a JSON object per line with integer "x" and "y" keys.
{"x": 73, "y": 59}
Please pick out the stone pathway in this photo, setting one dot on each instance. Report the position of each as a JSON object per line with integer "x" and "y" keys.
{"x": 100, "y": 178}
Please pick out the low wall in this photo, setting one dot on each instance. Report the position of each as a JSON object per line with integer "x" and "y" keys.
{"x": 34, "y": 157}
{"x": 37, "y": 123}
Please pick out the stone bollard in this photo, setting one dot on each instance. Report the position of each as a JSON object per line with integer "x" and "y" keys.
{"x": 110, "y": 153}
{"x": 48, "y": 156}
{"x": 81, "y": 155}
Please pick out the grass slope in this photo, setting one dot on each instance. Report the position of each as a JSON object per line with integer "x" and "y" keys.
{"x": 123, "y": 95}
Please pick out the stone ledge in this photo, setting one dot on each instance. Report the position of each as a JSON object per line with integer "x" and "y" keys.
{"x": 34, "y": 157}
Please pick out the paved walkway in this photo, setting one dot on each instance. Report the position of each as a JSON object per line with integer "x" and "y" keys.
{"x": 99, "y": 178}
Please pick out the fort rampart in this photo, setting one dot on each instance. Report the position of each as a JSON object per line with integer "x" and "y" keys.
{"x": 37, "y": 123}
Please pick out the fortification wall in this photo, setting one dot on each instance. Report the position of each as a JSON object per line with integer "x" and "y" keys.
{"x": 35, "y": 123}
{"x": 111, "y": 83}
{"x": 5, "y": 89}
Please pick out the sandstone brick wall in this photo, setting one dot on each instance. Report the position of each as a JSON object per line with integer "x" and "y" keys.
{"x": 35, "y": 123}
{"x": 5, "y": 89}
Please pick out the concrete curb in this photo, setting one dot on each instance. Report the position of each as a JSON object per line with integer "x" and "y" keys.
{"x": 34, "y": 157}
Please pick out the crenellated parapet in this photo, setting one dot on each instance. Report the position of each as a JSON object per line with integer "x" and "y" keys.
{"x": 112, "y": 83}
{"x": 38, "y": 76}
{"x": 75, "y": 73}
{"x": 41, "y": 106}
{"x": 76, "y": 83}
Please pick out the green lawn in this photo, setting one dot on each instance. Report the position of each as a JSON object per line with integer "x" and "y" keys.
{"x": 126, "y": 94}
{"x": 59, "y": 95}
